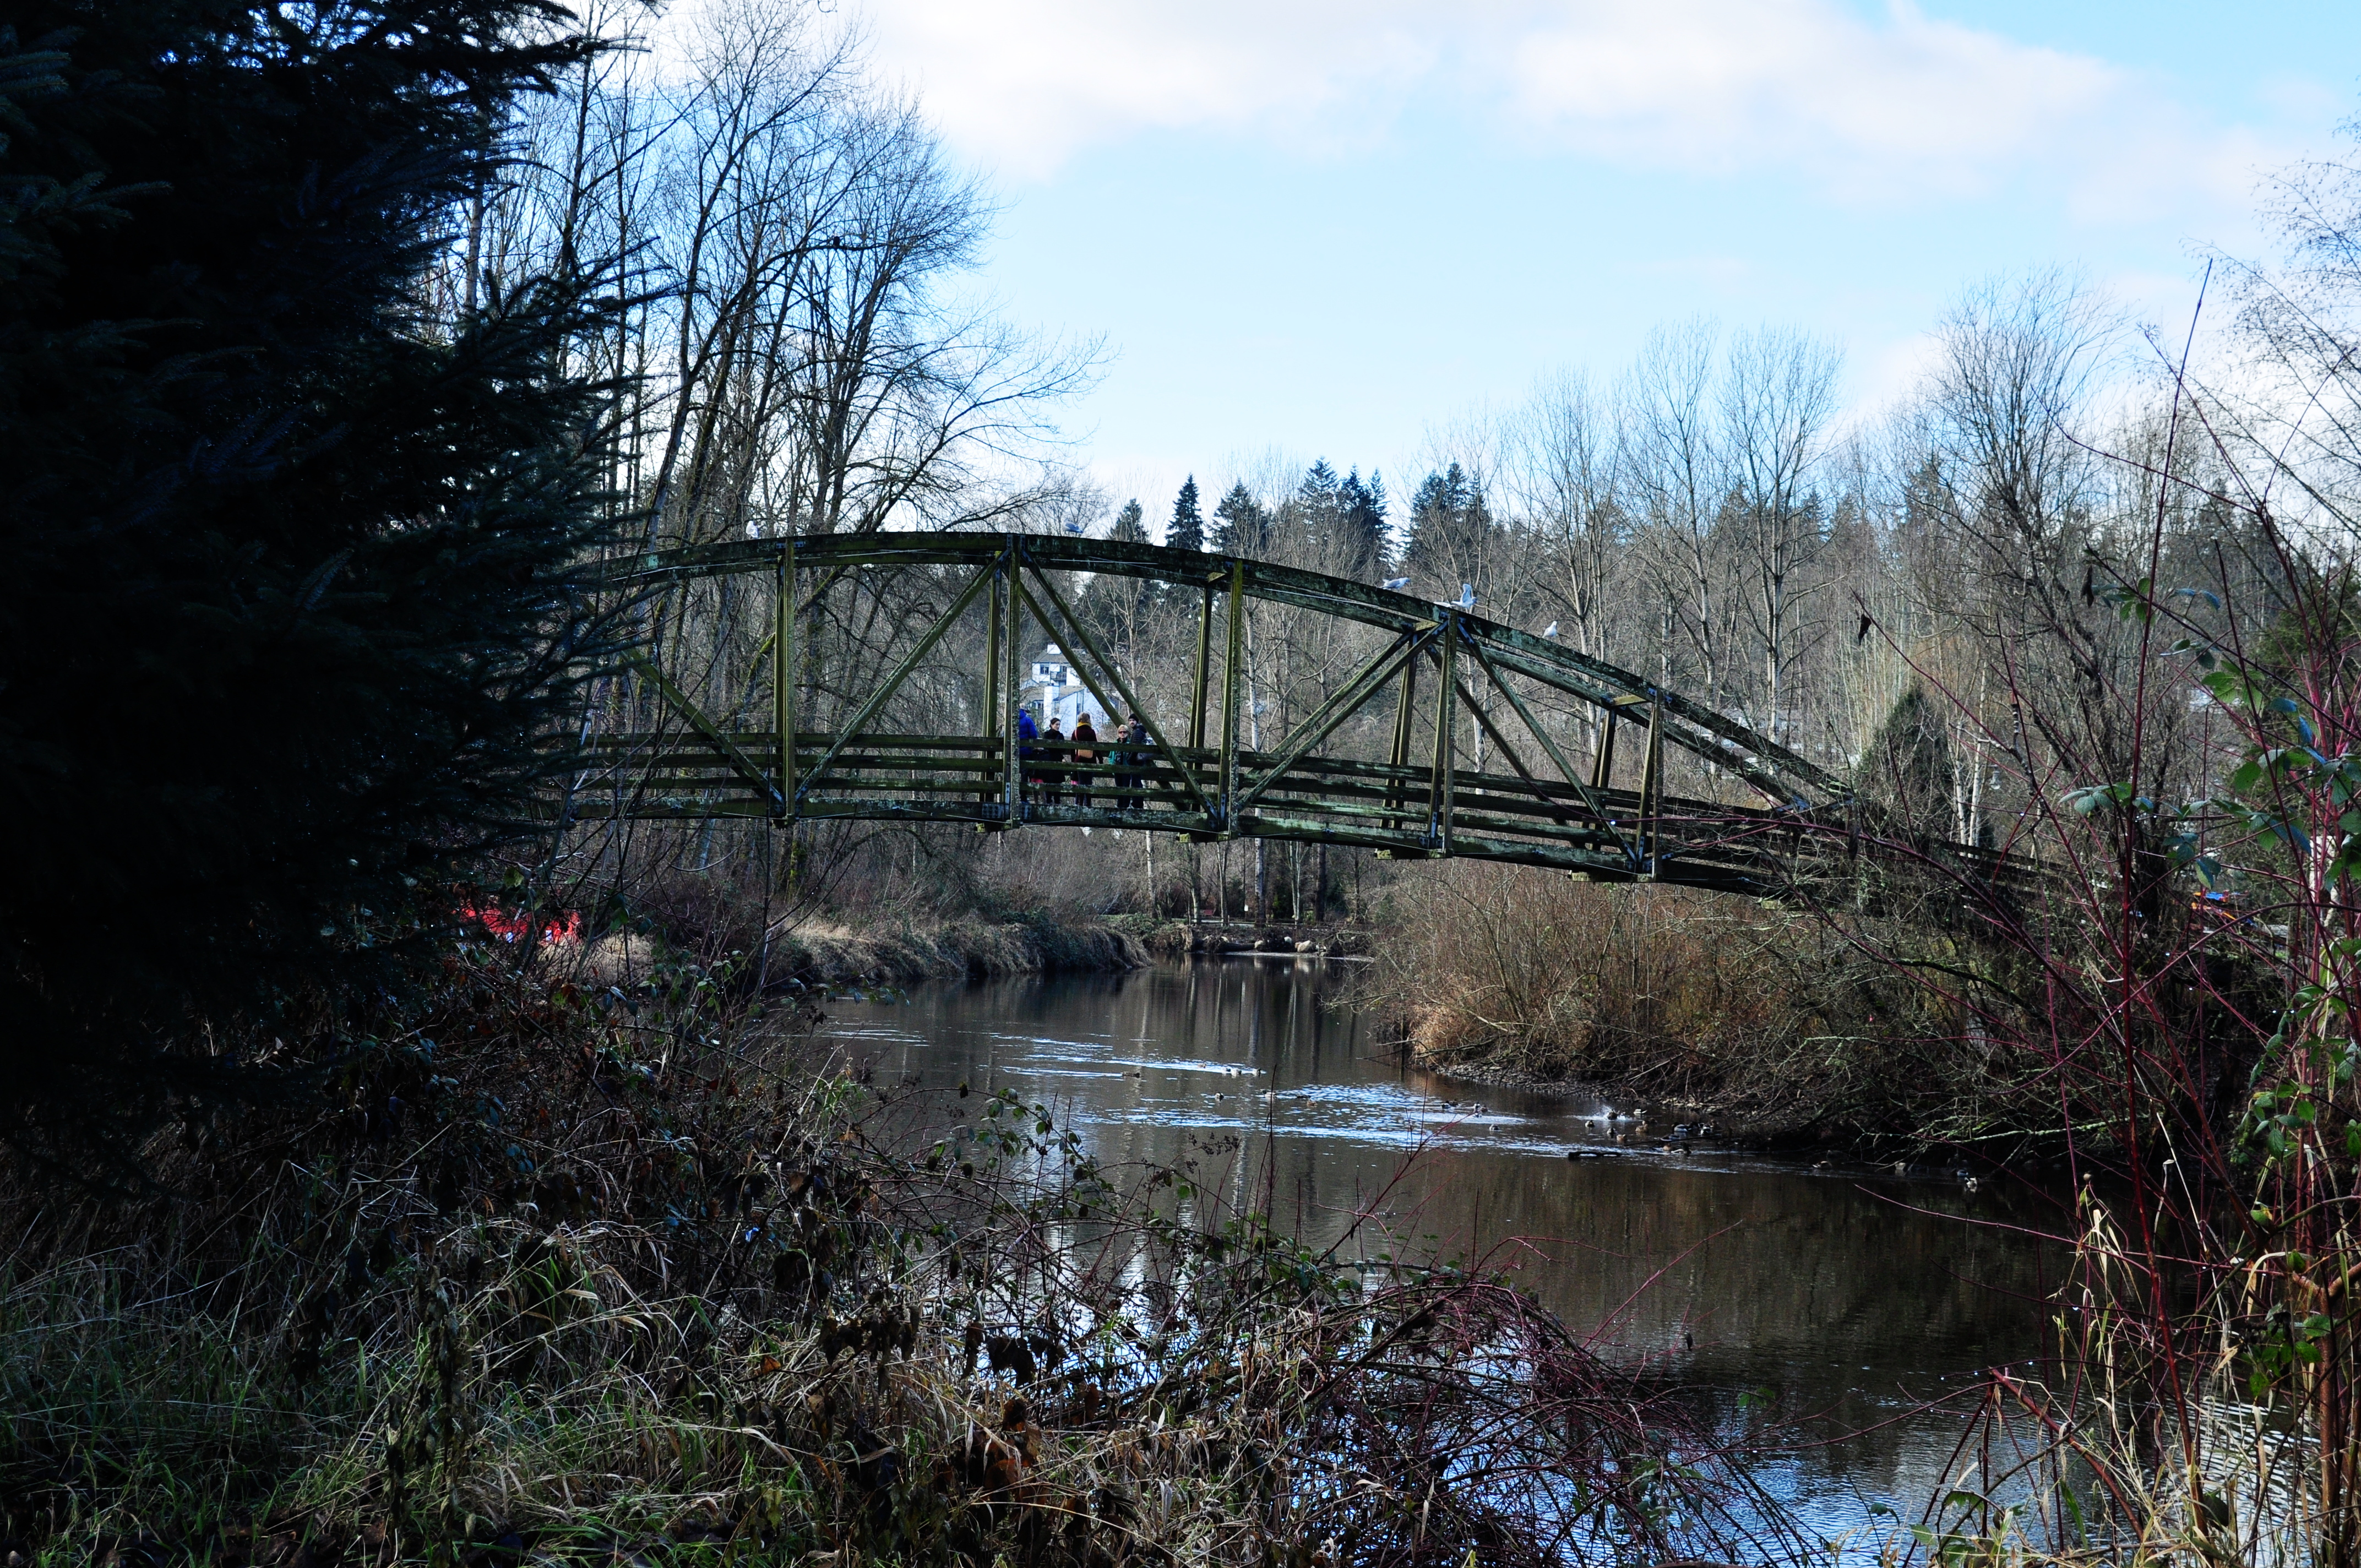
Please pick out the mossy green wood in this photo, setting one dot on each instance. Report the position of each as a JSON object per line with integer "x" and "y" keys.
{"x": 1214, "y": 785}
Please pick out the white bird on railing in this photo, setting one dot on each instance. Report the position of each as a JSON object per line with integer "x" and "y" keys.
{"x": 1467, "y": 597}
{"x": 1551, "y": 629}
{"x": 1073, "y": 528}
{"x": 1394, "y": 584}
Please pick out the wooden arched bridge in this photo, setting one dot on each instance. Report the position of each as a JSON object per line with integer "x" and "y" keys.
{"x": 881, "y": 676}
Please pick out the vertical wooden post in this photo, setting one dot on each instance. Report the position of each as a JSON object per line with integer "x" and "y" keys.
{"x": 1230, "y": 674}
{"x": 1602, "y": 765}
{"x": 1651, "y": 786}
{"x": 989, "y": 720}
{"x": 1204, "y": 658}
{"x": 1398, "y": 792}
{"x": 1012, "y": 775}
{"x": 1447, "y": 725}
{"x": 783, "y": 681}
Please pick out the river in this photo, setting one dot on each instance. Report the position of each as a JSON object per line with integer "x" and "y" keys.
{"x": 1852, "y": 1295}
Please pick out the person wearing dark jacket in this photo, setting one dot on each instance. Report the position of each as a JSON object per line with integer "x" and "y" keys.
{"x": 1086, "y": 741}
{"x": 1053, "y": 752}
{"x": 1026, "y": 753}
{"x": 1134, "y": 736}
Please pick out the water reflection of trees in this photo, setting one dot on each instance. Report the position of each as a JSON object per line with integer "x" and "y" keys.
{"x": 1852, "y": 1298}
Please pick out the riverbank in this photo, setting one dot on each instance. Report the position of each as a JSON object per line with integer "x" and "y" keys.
{"x": 566, "y": 1275}
{"x": 1701, "y": 1007}
{"x": 1168, "y": 939}
{"x": 849, "y": 948}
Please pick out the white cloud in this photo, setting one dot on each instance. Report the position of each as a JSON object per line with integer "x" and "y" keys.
{"x": 1025, "y": 84}
{"x": 1870, "y": 107}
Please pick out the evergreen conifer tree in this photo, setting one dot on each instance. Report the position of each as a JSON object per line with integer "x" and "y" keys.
{"x": 1446, "y": 536}
{"x": 1910, "y": 768}
{"x": 1186, "y": 529}
{"x": 1363, "y": 508}
{"x": 1240, "y": 525}
{"x": 1130, "y": 525}
{"x": 294, "y": 580}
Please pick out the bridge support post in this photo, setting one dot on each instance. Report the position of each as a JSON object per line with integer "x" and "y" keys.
{"x": 1012, "y": 775}
{"x": 1651, "y": 787}
{"x": 1602, "y": 762}
{"x": 988, "y": 720}
{"x": 782, "y": 682}
{"x": 1205, "y": 660}
{"x": 1230, "y": 671}
{"x": 1446, "y": 732}
{"x": 1398, "y": 793}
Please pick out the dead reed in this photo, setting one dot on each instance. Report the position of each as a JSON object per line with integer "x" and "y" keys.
{"x": 565, "y": 1273}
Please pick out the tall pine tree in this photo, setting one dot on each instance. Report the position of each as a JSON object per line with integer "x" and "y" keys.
{"x": 294, "y": 580}
{"x": 1130, "y": 524}
{"x": 1240, "y": 525}
{"x": 1449, "y": 532}
{"x": 1365, "y": 518}
{"x": 1186, "y": 529}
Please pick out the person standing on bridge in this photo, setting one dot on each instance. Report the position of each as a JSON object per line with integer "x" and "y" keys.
{"x": 1026, "y": 753}
{"x": 1053, "y": 749}
{"x": 1086, "y": 741}
{"x": 1134, "y": 737}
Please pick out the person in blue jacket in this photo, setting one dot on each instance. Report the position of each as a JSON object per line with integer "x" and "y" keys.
{"x": 1026, "y": 753}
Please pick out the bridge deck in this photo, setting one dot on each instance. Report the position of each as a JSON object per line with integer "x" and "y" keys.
{"x": 1426, "y": 661}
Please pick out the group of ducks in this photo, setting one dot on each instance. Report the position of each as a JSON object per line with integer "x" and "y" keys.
{"x": 1963, "y": 1176}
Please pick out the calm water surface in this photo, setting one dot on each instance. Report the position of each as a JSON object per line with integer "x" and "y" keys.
{"x": 1852, "y": 1293}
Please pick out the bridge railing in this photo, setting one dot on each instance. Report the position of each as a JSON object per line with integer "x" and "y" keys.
{"x": 1398, "y": 809}
{"x": 1458, "y": 692}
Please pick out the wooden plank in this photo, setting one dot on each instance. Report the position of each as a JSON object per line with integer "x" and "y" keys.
{"x": 704, "y": 726}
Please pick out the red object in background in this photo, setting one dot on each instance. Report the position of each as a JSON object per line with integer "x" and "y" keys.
{"x": 508, "y": 927}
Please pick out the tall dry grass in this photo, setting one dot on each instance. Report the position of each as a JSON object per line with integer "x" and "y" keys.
{"x": 1776, "y": 1019}
{"x": 565, "y": 1273}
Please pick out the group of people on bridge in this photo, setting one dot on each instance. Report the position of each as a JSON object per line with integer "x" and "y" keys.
{"x": 1049, "y": 767}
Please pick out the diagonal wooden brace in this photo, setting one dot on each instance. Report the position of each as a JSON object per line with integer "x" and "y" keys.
{"x": 1565, "y": 768}
{"x": 876, "y": 703}
{"x": 1073, "y": 623}
{"x": 712, "y": 732}
{"x": 1348, "y": 701}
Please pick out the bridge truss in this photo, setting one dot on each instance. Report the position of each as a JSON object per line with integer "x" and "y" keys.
{"x": 1458, "y": 755}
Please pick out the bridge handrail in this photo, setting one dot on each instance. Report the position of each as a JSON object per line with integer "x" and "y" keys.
{"x": 1725, "y": 743}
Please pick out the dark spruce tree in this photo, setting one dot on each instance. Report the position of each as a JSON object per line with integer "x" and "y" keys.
{"x": 1186, "y": 529}
{"x": 1130, "y": 524}
{"x": 1240, "y": 526}
{"x": 1909, "y": 768}
{"x": 1365, "y": 520}
{"x": 1449, "y": 530}
{"x": 294, "y": 574}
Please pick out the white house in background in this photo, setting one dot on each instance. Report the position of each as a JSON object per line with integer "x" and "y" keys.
{"x": 1052, "y": 690}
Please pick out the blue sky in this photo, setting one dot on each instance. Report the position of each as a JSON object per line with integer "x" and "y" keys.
{"x": 1329, "y": 226}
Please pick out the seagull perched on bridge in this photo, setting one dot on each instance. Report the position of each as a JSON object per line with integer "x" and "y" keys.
{"x": 1467, "y": 597}
{"x": 1551, "y": 629}
{"x": 1073, "y": 528}
{"x": 1394, "y": 584}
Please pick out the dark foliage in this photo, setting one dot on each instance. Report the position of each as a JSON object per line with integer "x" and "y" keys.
{"x": 1449, "y": 523}
{"x": 1364, "y": 507}
{"x": 294, "y": 568}
{"x": 1240, "y": 526}
{"x": 1130, "y": 524}
{"x": 1186, "y": 529}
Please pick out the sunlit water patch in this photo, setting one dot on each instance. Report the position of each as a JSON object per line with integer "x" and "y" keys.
{"x": 1849, "y": 1293}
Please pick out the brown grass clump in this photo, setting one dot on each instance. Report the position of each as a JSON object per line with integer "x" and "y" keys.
{"x": 1764, "y": 1016}
{"x": 562, "y": 1274}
